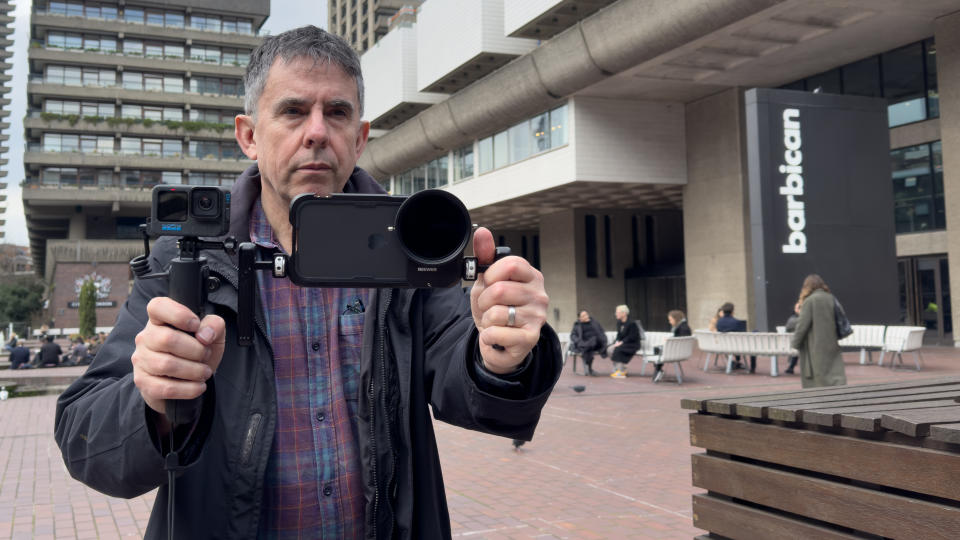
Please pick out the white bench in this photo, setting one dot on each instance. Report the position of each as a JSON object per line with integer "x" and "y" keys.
{"x": 674, "y": 350}
{"x": 650, "y": 340}
{"x": 720, "y": 344}
{"x": 865, "y": 337}
{"x": 901, "y": 339}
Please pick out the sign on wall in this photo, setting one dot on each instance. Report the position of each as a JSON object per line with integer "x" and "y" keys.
{"x": 821, "y": 201}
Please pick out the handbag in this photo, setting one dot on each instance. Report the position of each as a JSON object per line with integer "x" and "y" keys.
{"x": 843, "y": 323}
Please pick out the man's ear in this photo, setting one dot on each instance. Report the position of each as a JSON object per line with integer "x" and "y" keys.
{"x": 362, "y": 137}
{"x": 243, "y": 131}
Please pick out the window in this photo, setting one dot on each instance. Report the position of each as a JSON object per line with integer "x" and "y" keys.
{"x": 903, "y": 84}
{"x": 172, "y": 147}
{"x": 173, "y": 84}
{"x": 172, "y": 50}
{"x": 173, "y": 114}
{"x": 558, "y": 127}
{"x": 590, "y": 228}
{"x": 155, "y": 18}
{"x": 827, "y": 82}
{"x": 437, "y": 173}
{"x": 130, "y": 146}
{"x": 917, "y": 173}
{"x": 153, "y": 49}
{"x": 463, "y": 163}
{"x": 863, "y": 78}
{"x": 171, "y": 177}
{"x": 205, "y": 22}
{"x": 933, "y": 91}
{"x": 133, "y": 15}
{"x": 541, "y": 137}
{"x": 173, "y": 20}
{"x": 204, "y": 149}
{"x": 520, "y": 138}
{"x": 500, "y": 155}
{"x": 607, "y": 248}
{"x": 132, "y": 47}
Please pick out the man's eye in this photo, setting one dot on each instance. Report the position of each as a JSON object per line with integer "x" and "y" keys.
{"x": 339, "y": 112}
{"x": 291, "y": 110}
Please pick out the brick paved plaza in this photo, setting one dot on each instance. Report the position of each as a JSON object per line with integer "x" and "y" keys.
{"x": 611, "y": 462}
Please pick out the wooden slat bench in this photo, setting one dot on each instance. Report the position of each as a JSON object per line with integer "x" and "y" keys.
{"x": 879, "y": 460}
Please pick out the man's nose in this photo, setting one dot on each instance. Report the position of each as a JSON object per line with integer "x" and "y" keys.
{"x": 315, "y": 133}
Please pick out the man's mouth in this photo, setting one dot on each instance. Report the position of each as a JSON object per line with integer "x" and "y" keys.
{"x": 314, "y": 167}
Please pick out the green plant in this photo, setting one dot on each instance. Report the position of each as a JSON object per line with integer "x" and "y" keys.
{"x": 93, "y": 119}
{"x": 88, "y": 309}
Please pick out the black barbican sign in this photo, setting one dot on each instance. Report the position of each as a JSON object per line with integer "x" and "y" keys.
{"x": 821, "y": 201}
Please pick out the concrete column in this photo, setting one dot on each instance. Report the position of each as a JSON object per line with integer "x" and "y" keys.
{"x": 947, "y": 36}
{"x": 558, "y": 260}
{"x": 78, "y": 226}
{"x": 715, "y": 209}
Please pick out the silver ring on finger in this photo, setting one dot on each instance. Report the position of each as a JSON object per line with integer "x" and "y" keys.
{"x": 511, "y": 315}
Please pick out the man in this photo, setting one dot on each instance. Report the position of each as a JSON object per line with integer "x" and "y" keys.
{"x": 586, "y": 338}
{"x": 19, "y": 357}
{"x": 627, "y": 344}
{"x": 322, "y": 428}
{"x": 50, "y": 353}
{"x": 729, "y": 323}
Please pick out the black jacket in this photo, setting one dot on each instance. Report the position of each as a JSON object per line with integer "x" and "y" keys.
{"x": 682, "y": 329}
{"x": 50, "y": 353}
{"x": 419, "y": 349}
{"x": 628, "y": 333}
{"x": 578, "y": 341}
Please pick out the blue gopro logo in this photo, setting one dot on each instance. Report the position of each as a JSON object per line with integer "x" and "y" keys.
{"x": 170, "y": 227}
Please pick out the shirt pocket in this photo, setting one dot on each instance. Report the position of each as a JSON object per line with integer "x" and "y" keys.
{"x": 350, "y": 341}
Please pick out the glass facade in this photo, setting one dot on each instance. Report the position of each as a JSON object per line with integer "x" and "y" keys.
{"x": 918, "y": 188}
{"x": 906, "y": 77}
{"x": 525, "y": 139}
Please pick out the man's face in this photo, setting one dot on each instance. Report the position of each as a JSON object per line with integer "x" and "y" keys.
{"x": 621, "y": 315}
{"x": 584, "y": 316}
{"x": 672, "y": 321}
{"x": 307, "y": 135}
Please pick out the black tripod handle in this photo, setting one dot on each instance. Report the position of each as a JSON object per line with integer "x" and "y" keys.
{"x": 188, "y": 278}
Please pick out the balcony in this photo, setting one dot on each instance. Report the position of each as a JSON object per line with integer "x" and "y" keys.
{"x": 79, "y": 23}
{"x": 543, "y": 19}
{"x": 106, "y": 58}
{"x": 391, "y": 82}
{"x": 36, "y": 123}
{"x": 37, "y": 156}
{"x": 37, "y": 89}
{"x": 450, "y": 57}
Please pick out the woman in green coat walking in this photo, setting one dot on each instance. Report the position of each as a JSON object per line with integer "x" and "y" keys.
{"x": 821, "y": 363}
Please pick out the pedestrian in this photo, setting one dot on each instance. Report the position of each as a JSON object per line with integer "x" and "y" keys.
{"x": 627, "y": 342}
{"x": 323, "y": 428}
{"x": 586, "y": 339}
{"x": 815, "y": 338}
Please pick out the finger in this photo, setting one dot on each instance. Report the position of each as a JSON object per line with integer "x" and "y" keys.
{"x": 511, "y": 268}
{"x": 165, "y": 339}
{"x": 511, "y": 293}
{"x": 500, "y": 316}
{"x": 515, "y": 342}
{"x": 483, "y": 247}
{"x": 165, "y": 311}
{"x": 155, "y": 389}
{"x": 166, "y": 365}
{"x": 213, "y": 333}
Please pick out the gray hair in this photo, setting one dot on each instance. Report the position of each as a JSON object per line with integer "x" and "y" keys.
{"x": 304, "y": 42}
{"x": 623, "y": 308}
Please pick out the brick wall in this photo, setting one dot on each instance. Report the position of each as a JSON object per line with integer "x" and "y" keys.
{"x": 64, "y": 297}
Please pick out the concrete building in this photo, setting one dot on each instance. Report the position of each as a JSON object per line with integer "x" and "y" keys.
{"x": 6, "y": 19}
{"x": 604, "y": 140}
{"x": 123, "y": 96}
{"x": 363, "y": 22}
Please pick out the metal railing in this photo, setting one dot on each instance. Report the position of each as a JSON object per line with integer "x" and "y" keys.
{"x": 118, "y": 18}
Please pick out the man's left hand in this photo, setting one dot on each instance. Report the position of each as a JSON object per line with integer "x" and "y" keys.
{"x": 511, "y": 281}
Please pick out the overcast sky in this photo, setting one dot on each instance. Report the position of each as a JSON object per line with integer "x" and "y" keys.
{"x": 284, "y": 15}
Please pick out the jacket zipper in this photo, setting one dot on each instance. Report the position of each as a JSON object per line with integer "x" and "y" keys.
{"x": 371, "y": 397}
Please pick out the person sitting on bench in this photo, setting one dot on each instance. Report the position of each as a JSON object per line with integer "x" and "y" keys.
{"x": 729, "y": 323}
{"x": 586, "y": 338}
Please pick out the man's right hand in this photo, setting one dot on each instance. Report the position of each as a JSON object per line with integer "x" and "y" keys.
{"x": 168, "y": 362}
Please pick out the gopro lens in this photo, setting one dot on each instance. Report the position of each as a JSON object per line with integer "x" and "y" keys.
{"x": 206, "y": 203}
